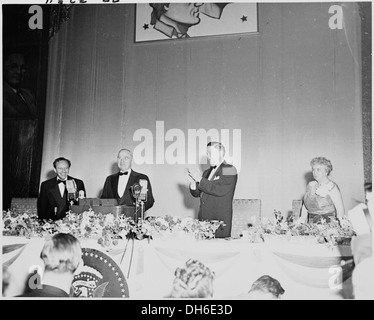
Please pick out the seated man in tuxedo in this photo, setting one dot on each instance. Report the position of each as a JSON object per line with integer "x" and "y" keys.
{"x": 62, "y": 257}
{"x": 56, "y": 193}
{"x": 215, "y": 187}
{"x": 118, "y": 185}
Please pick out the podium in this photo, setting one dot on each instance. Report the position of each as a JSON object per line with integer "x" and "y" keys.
{"x": 103, "y": 206}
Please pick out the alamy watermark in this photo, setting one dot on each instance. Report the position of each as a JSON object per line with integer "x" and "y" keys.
{"x": 178, "y": 147}
{"x": 35, "y": 281}
{"x": 336, "y": 280}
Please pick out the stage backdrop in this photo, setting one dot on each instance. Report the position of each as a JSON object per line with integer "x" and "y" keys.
{"x": 277, "y": 98}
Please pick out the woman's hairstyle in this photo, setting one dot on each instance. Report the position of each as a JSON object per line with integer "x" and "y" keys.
{"x": 267, "y": 284}
{"x": 322, "y": 161}
{"x": 195, "y": 280}
{"x": 62, "y": 253}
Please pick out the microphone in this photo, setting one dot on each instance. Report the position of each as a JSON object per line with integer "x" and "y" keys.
{"x": 139, "y": 192}
{"x": 135, "y": 190}
{"x": 81, "y": 194}
{"x": 72, "y": 189}
{"x": 144, "y": 189}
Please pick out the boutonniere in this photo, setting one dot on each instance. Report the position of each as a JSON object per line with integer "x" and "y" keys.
{"x": 216, "y": 178}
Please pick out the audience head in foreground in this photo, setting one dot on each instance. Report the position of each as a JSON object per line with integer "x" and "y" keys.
{"x": 194, "y": 280}
{"x": 61, "y": 255}
{"x": 266, "y": 288}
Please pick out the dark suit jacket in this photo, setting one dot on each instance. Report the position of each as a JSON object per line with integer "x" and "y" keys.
{"x": 111, "y": 187}
{"x": 216, "y": 196}
{"x": 46, "y": 291}
{"x": 50, "y": 197}
{"x": 15, "y": 107}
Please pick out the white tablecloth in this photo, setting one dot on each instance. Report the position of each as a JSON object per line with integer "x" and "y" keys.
{"x": 305, "y": 271}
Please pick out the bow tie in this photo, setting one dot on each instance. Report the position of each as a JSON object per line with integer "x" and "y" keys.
{"x": 61, "y": 181}
{"x": 213, "y": 167}
{"x": 123, "y": 173}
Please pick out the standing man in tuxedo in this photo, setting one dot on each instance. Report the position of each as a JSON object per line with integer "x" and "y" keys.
{"x": 20, "y": 127}
{"x": 53, "y": 201}
{"x": 118, "y": 185}
{"x": 18, "y": 102}
{"x": 215, "y": 187}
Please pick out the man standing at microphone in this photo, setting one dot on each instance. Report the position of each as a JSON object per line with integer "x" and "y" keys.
{"x": 118, "y": 185}
{"x": 216, "y": 188}
{"x": 56, "y": 193}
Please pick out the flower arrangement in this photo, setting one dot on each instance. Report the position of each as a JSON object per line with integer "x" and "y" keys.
{"x": 333, "y": 232}
{"x": 107, "y": 228}
{"x": 25, "y": 225}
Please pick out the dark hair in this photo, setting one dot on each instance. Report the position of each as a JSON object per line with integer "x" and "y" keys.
{"x": 61, "y": 159}
{"x": 158, "y": 11}
{"x": 217, "y": 145}
{"x": 267, "y": 284}
{"x": 11, "y": 53}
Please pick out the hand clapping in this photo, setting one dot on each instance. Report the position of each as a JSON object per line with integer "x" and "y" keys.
{"x": 194, "y": 174}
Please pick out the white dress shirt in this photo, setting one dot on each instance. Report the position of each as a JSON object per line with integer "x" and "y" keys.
{"x": 214, "y": 171}
{"x": 122, "y": 183}
{"x": 62, "y": 187}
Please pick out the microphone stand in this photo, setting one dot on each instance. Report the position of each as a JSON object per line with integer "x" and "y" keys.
{"x": 139, "y": 201}
{"x": 136, "y": 208}
{"x": 139, "y": 204}
{"x": 141, "y": 210}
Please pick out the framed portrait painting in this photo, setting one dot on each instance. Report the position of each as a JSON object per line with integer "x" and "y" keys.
{"x": 165, "y": 21}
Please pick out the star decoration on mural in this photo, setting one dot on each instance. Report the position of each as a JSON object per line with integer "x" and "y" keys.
{"x": 145, "y": 26}
{"x": 244, "y": 18}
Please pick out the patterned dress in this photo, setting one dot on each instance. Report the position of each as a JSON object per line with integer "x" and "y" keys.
{"x": 318, "y": 202}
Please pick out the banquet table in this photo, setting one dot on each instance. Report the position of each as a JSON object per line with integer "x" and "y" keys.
{"x": 305, "y": 270}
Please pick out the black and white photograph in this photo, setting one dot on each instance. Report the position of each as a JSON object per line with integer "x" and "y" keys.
{"x": 177, "y": 151}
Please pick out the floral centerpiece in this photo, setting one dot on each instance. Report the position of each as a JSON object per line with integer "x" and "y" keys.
{"x": 337, "y": 231}
{"x": 25, "y": 225}
{"x": 107, "y": 228}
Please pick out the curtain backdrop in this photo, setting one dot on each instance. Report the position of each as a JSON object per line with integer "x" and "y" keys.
{"x": 292, "y": 92}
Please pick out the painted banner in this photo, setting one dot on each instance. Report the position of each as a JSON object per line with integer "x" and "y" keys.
{"x": 162, "y": 21}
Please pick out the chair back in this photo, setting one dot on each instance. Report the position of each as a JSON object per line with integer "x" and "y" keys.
{"x": 22, "y": 205}
{"x": 296, "y": 208}
{"x": 243, "y": 211}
